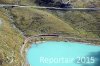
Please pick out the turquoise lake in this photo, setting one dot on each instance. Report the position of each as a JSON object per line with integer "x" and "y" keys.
{"x": 53, "y": 53}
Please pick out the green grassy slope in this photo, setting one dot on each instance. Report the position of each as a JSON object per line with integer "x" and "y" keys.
{"x": 7, "y": 1}
{"x": 72, "y": 23}
{"x": 27, "y": 2}
{"x": 10, "y": 43}
{"x": 33, "y": 21}
{"x": 20, "y": 2}
{"x": 97, "y": 23}
{"x": 82, "y": 20}
{"x": 85, "y": 3}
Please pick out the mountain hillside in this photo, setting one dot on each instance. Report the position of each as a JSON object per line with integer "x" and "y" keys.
{"x": 7, "y": 1}
{"x": 86, "y": 20}
{"x": 75, "y": 3}
{"x": 10, "y": 43}
{"x": 18, "y": 25}
{"x": 38, "y": 21}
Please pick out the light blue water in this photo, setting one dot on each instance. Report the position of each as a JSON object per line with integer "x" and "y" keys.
{"x": 54, "y": 53}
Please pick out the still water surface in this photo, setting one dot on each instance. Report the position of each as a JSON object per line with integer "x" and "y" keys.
{"x": 52, "y": 53}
